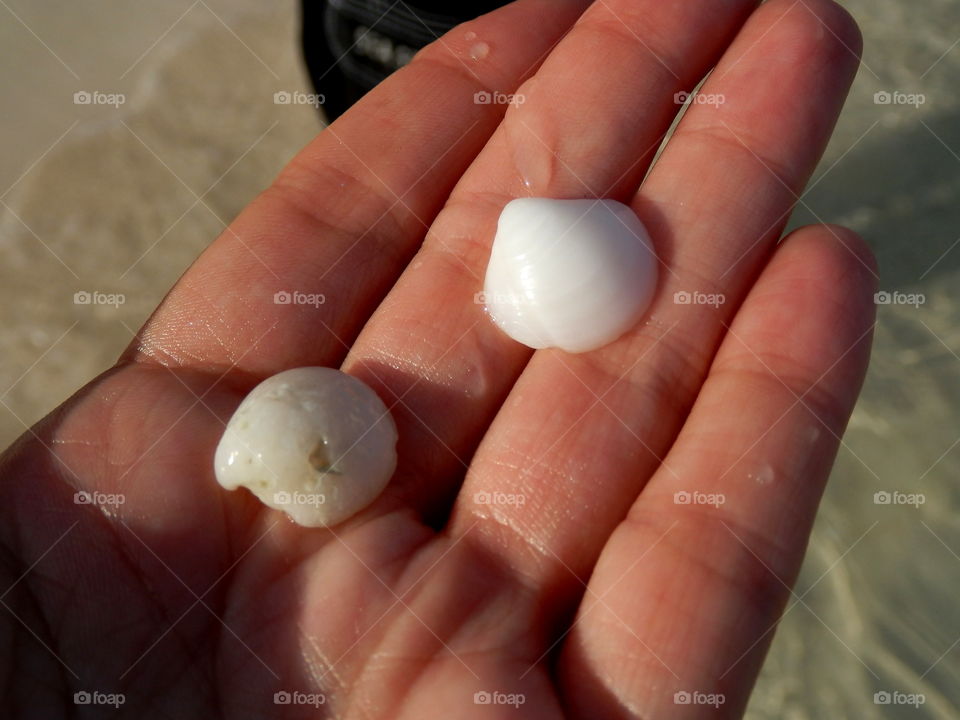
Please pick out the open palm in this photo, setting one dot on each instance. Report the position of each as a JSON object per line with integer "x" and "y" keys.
{"x": 604, "y": 535}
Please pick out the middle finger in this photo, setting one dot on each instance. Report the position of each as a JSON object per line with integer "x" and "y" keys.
{"x": 610, "y": 83}
{"x": 581, "y": 434}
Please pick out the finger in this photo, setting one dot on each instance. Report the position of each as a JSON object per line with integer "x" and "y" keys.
{"x": 343, "y": 218}
{"x": 590, "y": 120}
{"x": 581, "y": 434}
{"x": 692, "y": 583}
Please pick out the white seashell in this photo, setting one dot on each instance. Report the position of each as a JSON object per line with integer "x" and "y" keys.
{"x": 572, "y": 274}
{"x": 313, "y": 441}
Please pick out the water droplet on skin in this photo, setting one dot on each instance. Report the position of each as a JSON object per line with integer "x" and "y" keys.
{"x": 529, "y": 137}
{"x": 534, "y": 164}
{"x": 471, "y": 35}
{"x": 764, "y": 475}
{"x": 479, "y": 51}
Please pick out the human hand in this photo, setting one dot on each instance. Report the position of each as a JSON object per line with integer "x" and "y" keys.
{"x": 588, "y": 534}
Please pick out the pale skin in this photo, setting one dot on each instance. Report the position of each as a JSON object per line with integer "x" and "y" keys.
{"x": 588, "y": 589}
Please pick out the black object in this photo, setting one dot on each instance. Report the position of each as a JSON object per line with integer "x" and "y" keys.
{"x": 351, "y": 45}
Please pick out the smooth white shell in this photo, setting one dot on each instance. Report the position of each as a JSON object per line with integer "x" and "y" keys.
{"x": 572, "y": 274}
{"x": 314, "y": 442}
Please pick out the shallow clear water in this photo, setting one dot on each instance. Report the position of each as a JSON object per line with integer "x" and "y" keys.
{"x": 882, "y": 614}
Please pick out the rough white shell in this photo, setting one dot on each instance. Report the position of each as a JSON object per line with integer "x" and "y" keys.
{"x": 572, "y": 274}
{"x": 313, "y": 442}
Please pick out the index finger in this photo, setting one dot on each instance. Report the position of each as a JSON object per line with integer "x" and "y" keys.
{"x": 347, "y": 213}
